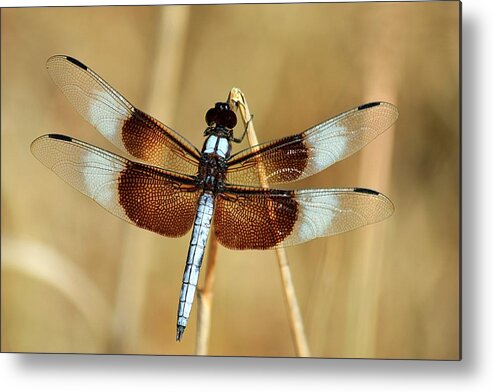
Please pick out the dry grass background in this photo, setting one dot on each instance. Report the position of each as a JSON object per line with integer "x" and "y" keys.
{"x": 76, "y": 279}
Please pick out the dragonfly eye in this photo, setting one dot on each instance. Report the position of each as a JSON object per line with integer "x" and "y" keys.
{"x": 211, "y": 116}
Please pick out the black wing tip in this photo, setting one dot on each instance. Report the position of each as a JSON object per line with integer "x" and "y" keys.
{"x": 69, "y": 59}
{"x": 59, "y": 137}
{"x": 379, "y": 103}
{"x": 369, "y": 105}
{"x": 381, "y": 197}
{"x": 51, "y": 136}
{"x": 366, "y": 190}
{"x": 76, "y": 62}
{"x": 180, "y": 330}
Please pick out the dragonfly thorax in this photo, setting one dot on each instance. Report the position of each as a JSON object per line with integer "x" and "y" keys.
{"x": 213, "y": 163}
{"x": 217, "y": 145}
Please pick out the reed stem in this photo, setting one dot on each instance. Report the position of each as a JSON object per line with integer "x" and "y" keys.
{"x": 237, "y": 100}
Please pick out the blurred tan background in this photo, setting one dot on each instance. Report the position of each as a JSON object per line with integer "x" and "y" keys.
{"x": 77, "y": 279}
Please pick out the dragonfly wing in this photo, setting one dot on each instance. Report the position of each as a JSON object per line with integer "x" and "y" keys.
{"x": 118, "y": 120}
{"x": 299, "y": 156}
{"x": 148, "y": 197}
{"x": 259, "y": 218}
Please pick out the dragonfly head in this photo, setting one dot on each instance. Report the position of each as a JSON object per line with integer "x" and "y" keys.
{"x": 221, "y": 116}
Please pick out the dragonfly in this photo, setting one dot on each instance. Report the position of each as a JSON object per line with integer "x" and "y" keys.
{"x": 172, "y": 187}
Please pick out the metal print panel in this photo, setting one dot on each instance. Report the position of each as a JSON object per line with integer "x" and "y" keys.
{"x": 321, "y": 216}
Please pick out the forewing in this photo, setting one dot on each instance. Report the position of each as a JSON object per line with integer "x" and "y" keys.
{"x": 256, "y": 218}
{"x": 120, "y": 122}
{"x": 296, "y": 157}
{"x": 149, "y": 197}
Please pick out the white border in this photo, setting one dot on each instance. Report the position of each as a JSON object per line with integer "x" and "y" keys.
{"x": 51, "y": 3}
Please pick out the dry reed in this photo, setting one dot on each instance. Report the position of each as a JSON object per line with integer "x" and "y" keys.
{"x": 238, "y": 100}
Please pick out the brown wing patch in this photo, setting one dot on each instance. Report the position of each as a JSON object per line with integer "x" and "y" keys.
{"x": 254, "y": 218}
{"x": 146, "y": 138}
{"x": 157, "y": 201}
